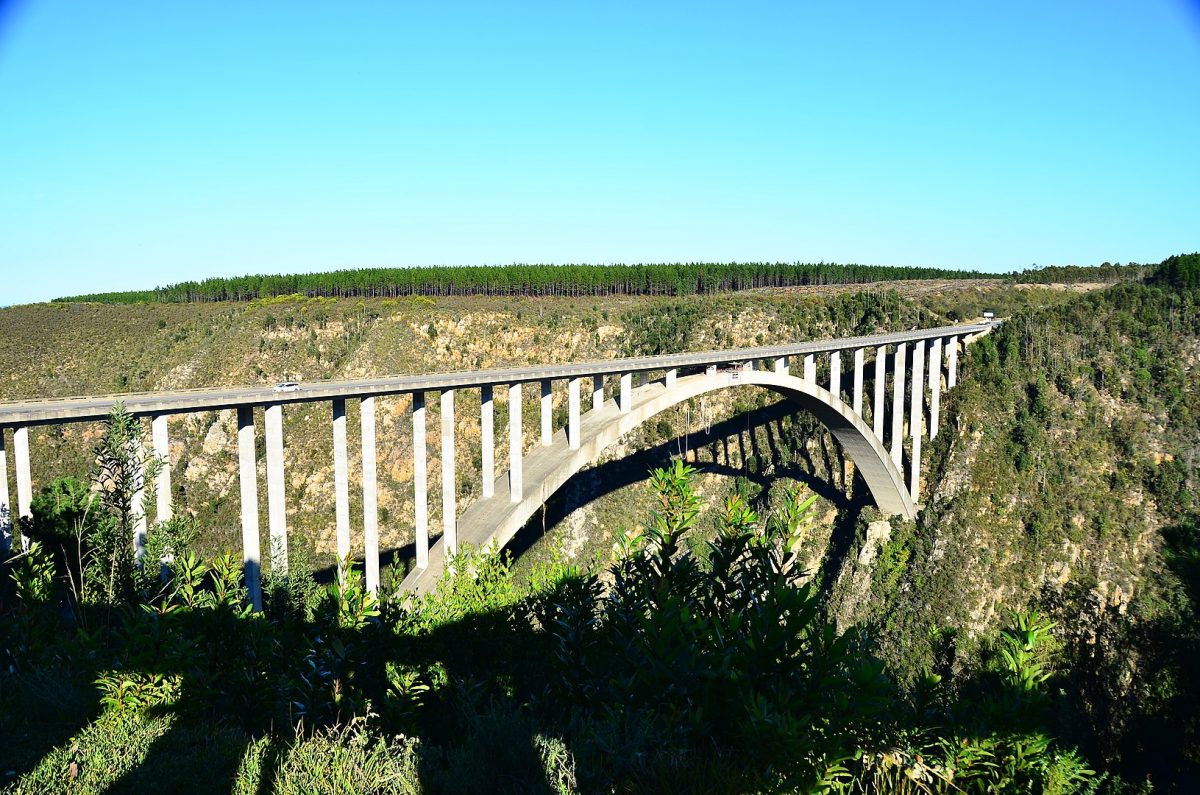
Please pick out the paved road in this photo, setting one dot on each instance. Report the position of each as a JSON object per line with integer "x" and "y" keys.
{"x": 96, "y": 407}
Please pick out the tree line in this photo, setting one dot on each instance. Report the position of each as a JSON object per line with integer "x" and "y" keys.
{"x": 1181, "y": 271}
{"x": 584, "y": 280}
{"x": 1106, "y": 272}
{"x": 526, "y": 280}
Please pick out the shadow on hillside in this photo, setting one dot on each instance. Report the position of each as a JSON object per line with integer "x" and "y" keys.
{"x": 497, "y": 687}
{"x": 399, "y": 559}
{"x": 241, "y": 681}
{"x": 1157, "y": 716}
{"x": 482, "y": 656}
{"x": 237, "y": 671}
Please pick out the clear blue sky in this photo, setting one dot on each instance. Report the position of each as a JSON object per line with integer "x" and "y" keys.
{"x": 144, "y": 143}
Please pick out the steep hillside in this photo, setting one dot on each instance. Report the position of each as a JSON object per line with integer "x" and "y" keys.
{"x": 1068, "y": 480}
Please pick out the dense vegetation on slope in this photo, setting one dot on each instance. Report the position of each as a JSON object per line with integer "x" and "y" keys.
{"x": 1069, "y": 483}
{"x": 528, "y": 280}
{"x": 673, "y": 670}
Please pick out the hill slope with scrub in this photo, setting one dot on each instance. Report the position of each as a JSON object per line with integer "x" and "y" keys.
{"x": 1067, "y": 480}
{"x": 1035, "y": 628}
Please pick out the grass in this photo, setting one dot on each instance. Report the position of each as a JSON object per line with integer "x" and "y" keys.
{"x": 130, "y": 753}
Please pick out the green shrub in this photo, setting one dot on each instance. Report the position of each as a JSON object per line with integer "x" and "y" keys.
{"x": 668, "y": 671}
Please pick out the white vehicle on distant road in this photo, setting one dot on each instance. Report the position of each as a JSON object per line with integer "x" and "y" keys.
{"x": 287, "y": 386}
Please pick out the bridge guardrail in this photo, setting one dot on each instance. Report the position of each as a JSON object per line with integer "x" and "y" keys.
{"x": 94, "y": 407}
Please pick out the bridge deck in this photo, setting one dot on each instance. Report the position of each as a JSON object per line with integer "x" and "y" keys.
{"x": 97, "y": 407}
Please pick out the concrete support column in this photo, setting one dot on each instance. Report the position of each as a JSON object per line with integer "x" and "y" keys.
{"x": 952, "y": 364}
{"x": 781, "y": 365}
{"x": 420, "y": 482}
{"x": 341, "y": 484}
{"x": 488, "y": 441}
{"x": 672, "y": 374}
{"x": 366, "y": 411}
{"x": 24, "y": 480}
{"x": 916, "y": 418}
{"x": 597, "y": 392}
{"x": 626, "y": 402}
{"x": 515, "y": 450}
{"x": 935, "y": 385}
{"x": 877, "y": 408}
{"x": 810, "y": 369}
{"x": 898, "y": 403}
{"x": 141, "y": 524}
{"x": 449, "y": 490}
{"x": 162, "y": 451}
{"x": 547, "y": 415}
{"x": 5, "y": 505}
{"x": 276, "y": 505}
{"x": 835, "y": 374}
{"x": 573, "y": 413}
{"x": 857, "y": 395}
{"x": 248, "y": 481}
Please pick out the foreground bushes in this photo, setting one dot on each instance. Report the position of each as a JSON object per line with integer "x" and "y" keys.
{"x": 669, "y": 671}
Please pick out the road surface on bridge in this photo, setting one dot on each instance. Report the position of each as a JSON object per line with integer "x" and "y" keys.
{"x": 76, "y": 409}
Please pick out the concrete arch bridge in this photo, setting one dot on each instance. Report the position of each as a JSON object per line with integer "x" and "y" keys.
{"x": 892, "y": 387}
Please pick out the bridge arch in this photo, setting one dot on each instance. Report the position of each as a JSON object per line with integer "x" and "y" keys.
{"x": 494, "y": 521}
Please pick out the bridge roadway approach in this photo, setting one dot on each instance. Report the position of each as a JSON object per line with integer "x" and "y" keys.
{"x": 495, "y": 516}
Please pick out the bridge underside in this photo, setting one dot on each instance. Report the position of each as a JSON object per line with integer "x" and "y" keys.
{"x": 494, "y": 521}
